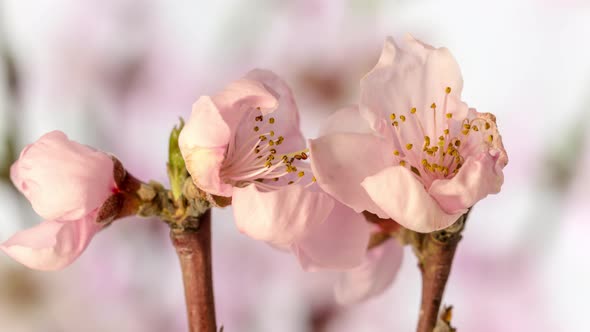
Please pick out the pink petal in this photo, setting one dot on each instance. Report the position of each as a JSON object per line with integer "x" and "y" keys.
{"x": 372, "y": 277}
{"x": 286, "y": 114}
{"x": 51, "y": 245}
{"x": 340, "y": 242}
{"x": 279, "y": 217}
{"x": 340, "y": 162}
{"x": 345, "y": 120}
{"x": 403, "y": 197}
{"x": 204, "y": 165}
{"x": 213, "y": 120}
{"x": 63, "y": 179}
{"x": 413, "y": 77}
{"x": 474, "y": 181}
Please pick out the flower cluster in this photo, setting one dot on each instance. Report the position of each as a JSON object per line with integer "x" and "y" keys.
{"x": 411, "y": 152}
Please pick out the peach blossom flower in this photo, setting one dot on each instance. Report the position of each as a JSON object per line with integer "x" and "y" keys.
{"x": 66, "y": 183}
{"x": 412, "y": 151}
{"x": 245, "y": 143}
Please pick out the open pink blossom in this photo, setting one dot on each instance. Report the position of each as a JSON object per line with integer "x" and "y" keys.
{"x": 245, "y": 142}
{"x": 66, "y": 183}
{"x": 412, "y": 151}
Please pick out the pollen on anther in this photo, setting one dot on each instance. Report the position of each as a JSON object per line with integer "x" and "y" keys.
{"x": 433, "y": 106}
{"x": 413, "y": 110}
{"x": 271, "y": 143}
{"x": 262, "y": 138}
{"x": 457, "y": 143}
{"x": 491, "y": 138}
{"x": 271, "y": 120}
{"x": 256, "y": 128}
{"x": 396, "y": 152}
{"x": 313, "y": 179}
{"x": 449, "y": 115}
{"x": 395, "y": 123}
{"x": 273, "y": 151}
{"x": 403, "y": 118}
{"x": 488, "y": 125}
{"x": 272, "y": 133}
{"x": 392, "y": 116}
{"x": 301, "y": 174}
{"x": 448, "y": 90}
{"x": 409, "y": 146}
{"x": 446, "y": 131}
{"x": 402, "y": 163}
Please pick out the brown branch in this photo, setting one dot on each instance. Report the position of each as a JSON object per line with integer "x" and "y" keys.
{"x": 194, "y": 253}
{"x": 435, "y": 253}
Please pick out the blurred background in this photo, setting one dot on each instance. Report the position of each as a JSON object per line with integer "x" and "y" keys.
{"x": 117, "y": 74}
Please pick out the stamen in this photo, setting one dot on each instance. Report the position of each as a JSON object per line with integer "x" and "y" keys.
{"x": 413, "y": 110}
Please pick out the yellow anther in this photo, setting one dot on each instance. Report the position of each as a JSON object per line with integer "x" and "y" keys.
{"x": 424, "y": 162}
{"x": 272, "y": 133}
{"x": 395, "y": 123}
{"x": 491, "y": 138}
{"x": 396, "y": 152}
{"x": 488, "y": 125}
{"x": 433, "y": 106}
{"x": 273, "y": 151}
{"x": 448, "y": 90}
{"x": 258, "y": 118}
{"x": 458, "y": 143}
{"x": 256, "y": 150}
{"x": 268, "y": 164}
{"x": 427, "y": 140}
{"x": 313, "y": 179}
{"x": 413, "y": 110}
{"x": 402, "y": 163}
{"x": 276, "y": 179}
{"x": 271, "y": 143}
{"x": 256, "y": 128}
{"x": 392, "y": 116}
{"x": 475, "y": 128}
{"x": 465, "y": 131}
{"x": 449, "y": 115}
{"x": 467, "y": 126}
{"x": 446, "y": 131}
{"x": 271, "y": 120}
{"x": 441, "y": 138}
{"x": 403, "y": 118}
{"x": 409, "y": 146}
{"x": 262, "y": 138}
{"x": 270, "y": 157}
{"x": 301, "y": 174}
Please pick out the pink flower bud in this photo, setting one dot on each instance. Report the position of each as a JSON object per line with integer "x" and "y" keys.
{"x": 66, "y": 183}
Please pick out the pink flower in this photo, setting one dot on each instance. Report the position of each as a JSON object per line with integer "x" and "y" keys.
{"x": 245, "y": 142}
{"x": 412, "y": 151}
{"x": 66, "y": 183}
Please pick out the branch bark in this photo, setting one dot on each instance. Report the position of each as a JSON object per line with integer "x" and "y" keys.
{"x": 193, "y": 247}
{"x": 435, "y": 253}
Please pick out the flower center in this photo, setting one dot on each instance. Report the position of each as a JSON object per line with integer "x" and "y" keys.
{"x": 262, "y": 156}
{"x": 442, "y": 155}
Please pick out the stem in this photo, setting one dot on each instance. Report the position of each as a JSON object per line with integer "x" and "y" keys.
{"x": 194, "y": 253}
{"x": 435, "y": 252}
